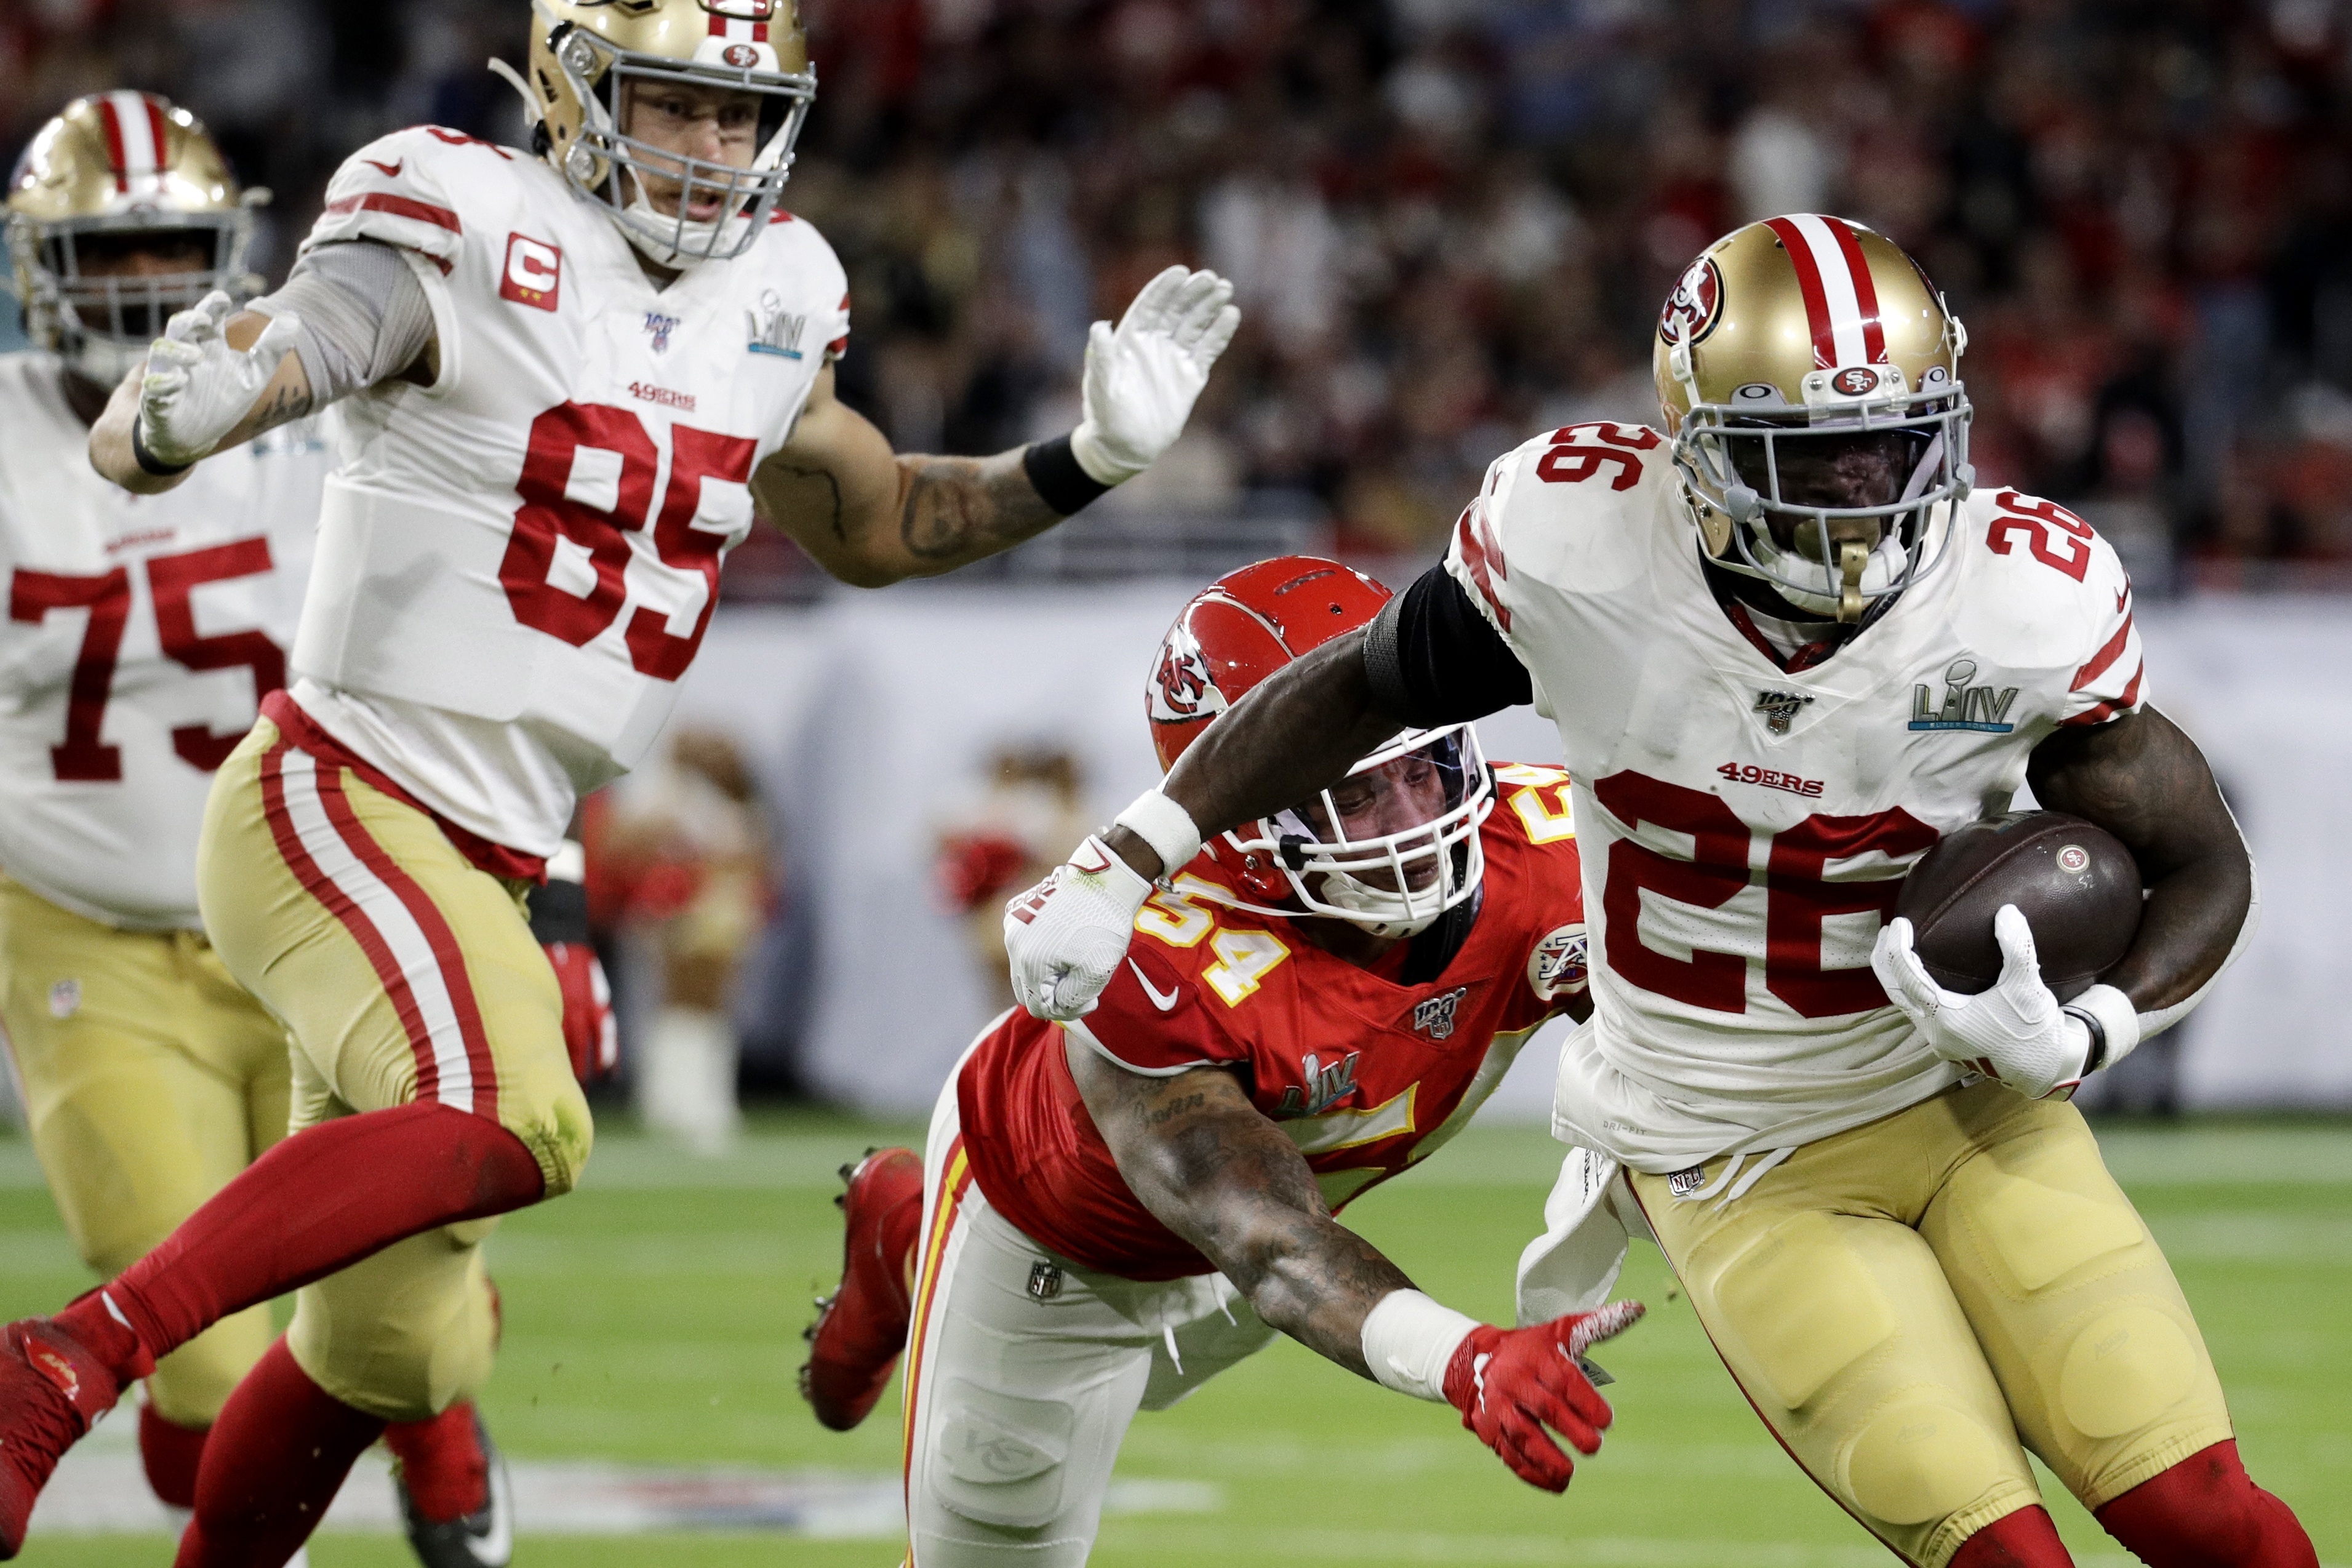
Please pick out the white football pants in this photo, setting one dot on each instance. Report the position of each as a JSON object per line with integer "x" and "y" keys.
{"x": 1023, "y": 1370}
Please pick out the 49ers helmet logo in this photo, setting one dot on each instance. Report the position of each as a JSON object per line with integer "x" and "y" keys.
{"x": 1694, "y": 306}
{"x": 1181, "y": 689}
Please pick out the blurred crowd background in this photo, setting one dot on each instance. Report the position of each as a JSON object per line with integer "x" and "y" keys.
{"x": 1451, "y": 221}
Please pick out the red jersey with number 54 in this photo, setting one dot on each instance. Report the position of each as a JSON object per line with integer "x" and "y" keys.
{"x": 517, "y": 563}
{"x": 142, "y": 632}
{"x": 1746, "y": 828}
{"x": 1366, "y": 1071}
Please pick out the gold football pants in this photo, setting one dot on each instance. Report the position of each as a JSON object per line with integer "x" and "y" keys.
{"x": 402, "y": 972}
{"x": 1912, "y": 1305}
{"x": 150, "y": 1078}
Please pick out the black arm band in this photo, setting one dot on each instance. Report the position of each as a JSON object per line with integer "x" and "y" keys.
{"x": 1432, "y": 659}
{"x": 559, "y": 912}
{"x": 2096, "y": 1057}
{"x": 1054, "y": 472}
{"x": 147, "y": 460}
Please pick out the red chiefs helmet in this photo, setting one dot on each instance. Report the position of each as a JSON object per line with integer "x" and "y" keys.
{"x": 1389, "y": 848}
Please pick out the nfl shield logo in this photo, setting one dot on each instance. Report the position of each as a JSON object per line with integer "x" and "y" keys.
{"x": 1044, "y": 1280}
{"x": 1435, "y": 1018}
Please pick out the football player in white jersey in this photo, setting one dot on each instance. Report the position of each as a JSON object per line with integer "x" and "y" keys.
{"x": 141, "y": 635}
{"x": 571, "y": 376}
{"x": 1789, "y": 644}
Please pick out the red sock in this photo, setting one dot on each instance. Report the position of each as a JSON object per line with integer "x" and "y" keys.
{"x": 2025, "y": 1538}
{"x": 2205, "y": 1513}
{"x": 277, "y": 1456}
{"x": 169, "y": 1452}
{"x": 442, "y": 1463}
{"x": 320, "y": 1200}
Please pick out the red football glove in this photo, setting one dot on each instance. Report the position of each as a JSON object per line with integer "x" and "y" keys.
{"x": 1510, "y": 1384}
{"x": 590, "y": 1035}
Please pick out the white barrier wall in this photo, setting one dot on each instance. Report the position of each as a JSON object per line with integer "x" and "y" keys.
{"x": 871, "y": 715}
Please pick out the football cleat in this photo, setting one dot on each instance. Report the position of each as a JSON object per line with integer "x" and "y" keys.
{"x": 51, "y": 1389}
{"x": 482, "y": 1539}
{"x": 862, "y": 1327}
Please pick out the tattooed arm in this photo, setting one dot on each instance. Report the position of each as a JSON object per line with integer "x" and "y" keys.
{"x": 871, "y": 516}
{"x": 287, "y": 397}
{"x": 1198, "y": 1155}
{"x": 2147, "y": 783}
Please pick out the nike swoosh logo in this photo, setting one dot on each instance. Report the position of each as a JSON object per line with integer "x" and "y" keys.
{"x": 1164, "y": 1000}
{"x": 391, "y": 170}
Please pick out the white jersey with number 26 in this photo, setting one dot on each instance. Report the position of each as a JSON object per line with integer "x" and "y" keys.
{"x": 1746, "y": 829}
{"x": 141, "y": 632}
{"x": 519, "y": 561}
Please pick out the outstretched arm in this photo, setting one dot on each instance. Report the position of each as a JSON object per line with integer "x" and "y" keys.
{"x": 1210, "y": 1168}
{"x": 870, "y": 517}
{"x": 1198, "y": 1155}
{"x": 353, "y": 314}
{"x": 2143, "y": 781}
{"x": 284, "y": 393}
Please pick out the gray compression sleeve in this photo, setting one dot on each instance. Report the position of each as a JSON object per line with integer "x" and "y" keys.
{"x": 365, "y": 316}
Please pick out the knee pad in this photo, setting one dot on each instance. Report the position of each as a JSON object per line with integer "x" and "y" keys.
{"x": 1001, "y": 1459}
{"x": 1920, "y": 1459}
{"x": 1804, "y": 1307}
{"x": 2126, "y": 1367}
{"x": 559, "y": 1132}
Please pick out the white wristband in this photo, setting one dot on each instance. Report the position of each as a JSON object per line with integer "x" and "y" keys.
{"x": 1410, "y": 1339}
{"x": 2118, "y": 1019}
{"x": 1166, "y": 826}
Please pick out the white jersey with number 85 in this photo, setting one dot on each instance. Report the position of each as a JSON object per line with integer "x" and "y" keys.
{"x": 519, "y": 561}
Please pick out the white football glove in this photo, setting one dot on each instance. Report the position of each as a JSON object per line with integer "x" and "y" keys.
{"x": 2016, "y": 1032}
{"x": 198, "y": 387}
{"x": 1141, "y": 380}
{"x": 1066, "y": 934}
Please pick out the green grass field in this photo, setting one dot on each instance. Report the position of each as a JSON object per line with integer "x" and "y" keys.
{"x": 656, "y": 1316}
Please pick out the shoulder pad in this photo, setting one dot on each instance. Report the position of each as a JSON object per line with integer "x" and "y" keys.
{"x": 2037, "y": 583}
{"x": 1572, "y": 508}
{"x": 399, "y": 189}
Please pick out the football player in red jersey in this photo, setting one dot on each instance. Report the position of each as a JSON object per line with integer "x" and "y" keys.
{"x": 1119, "y": 1207}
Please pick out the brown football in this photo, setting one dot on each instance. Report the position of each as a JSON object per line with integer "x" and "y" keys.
{"x": 2074, "y": 883}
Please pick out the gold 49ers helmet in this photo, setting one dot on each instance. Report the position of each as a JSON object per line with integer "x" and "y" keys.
{"x": 114, "y": 170}
{"x": 1796, "y": 348}
{"x": 588, "y": 56}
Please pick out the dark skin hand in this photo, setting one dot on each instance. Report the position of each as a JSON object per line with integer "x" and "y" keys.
{"x": 2139, "y": 777}
{"x": 1210, "y": 1168}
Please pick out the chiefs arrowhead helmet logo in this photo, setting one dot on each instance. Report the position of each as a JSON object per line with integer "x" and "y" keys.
{"x": 1182, "y": 689}
{"x": 1696, "y": 304}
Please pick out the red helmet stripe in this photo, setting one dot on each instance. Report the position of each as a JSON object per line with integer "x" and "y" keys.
{"x": 155, "y": 130}
{"x": 110, "y": 122}
{"x": 1840, "y": 300}
{"x": 1809, "y": 284}
{"x": 1866, "y": 292}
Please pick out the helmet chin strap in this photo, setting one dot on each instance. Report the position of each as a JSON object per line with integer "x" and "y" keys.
{"x": 1343, "y": 891}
